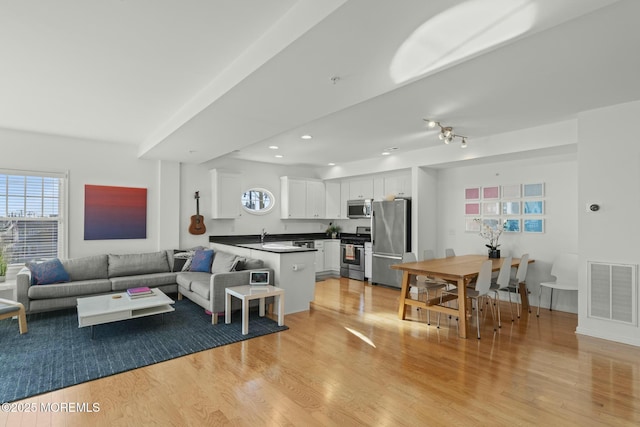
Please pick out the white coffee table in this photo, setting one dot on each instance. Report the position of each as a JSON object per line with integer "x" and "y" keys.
{"x": 115, "y": 307}
{"x": 248, "y": 293}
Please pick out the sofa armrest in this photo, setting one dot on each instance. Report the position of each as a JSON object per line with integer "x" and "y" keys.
{"x": 23, "y": 281}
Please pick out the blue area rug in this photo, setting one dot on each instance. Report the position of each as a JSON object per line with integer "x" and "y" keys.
{"x": 55, "y": 353}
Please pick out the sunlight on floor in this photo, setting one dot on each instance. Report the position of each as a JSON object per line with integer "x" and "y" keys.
{"x": 361, "y": 336}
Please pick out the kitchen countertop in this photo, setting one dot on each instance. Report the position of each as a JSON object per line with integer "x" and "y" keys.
{"x": 274, "y": 247}
{"x": 252, "y": 241}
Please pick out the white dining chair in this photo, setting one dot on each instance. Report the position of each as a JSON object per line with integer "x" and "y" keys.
{"x": 565, "y": 270}
{"x": 501, "y": 284}
{"x": 423, "y": 284}
{"x": 449, "y": 252}
{"x": 428, "y": 254}
{"x": 514, "y": 283}
{"x": 482, "y": 290}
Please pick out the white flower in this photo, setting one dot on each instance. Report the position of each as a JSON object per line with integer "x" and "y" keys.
{"x": 492, "y": 234}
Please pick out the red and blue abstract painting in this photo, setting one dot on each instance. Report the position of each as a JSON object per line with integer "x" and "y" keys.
{"x": 114, "y": 212}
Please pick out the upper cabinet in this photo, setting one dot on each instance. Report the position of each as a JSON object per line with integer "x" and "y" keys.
{"x": 344, "y": 197}
{"x": 315, "y": 199}
{"x": 333, "y": 205}
{"x": 361, "y": 188}
{"x": 398, "y": 185}
{"x": 301, "y": 198}
{"x": 226, "y": 192}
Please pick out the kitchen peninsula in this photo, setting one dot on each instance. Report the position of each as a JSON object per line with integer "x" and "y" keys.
{"x": 293, "y": 266}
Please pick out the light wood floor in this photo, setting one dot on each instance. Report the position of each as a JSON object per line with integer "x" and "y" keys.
{"x": 350, "y": 361}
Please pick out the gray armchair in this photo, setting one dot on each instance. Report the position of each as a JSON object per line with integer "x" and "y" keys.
{"x": 208, "y": 290}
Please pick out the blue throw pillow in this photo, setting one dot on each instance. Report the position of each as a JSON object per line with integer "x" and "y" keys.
{"x": 45, "y": 273}
{"x": 201, "y": 261}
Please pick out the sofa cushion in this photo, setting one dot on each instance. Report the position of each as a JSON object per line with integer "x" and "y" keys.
{"x": 87, "y": 268}
{"x": 47, "y": 272}
{"x": 70, "y": 289}
{"x": 224, "y": 262}
{"x": 185, "y": 278}
{"x": 182, "y": 259}
{"x": 201, "y": 261}
{"x": 134, "y": 264}
{"x": 201, "y": 288}
{"x": 249, "y": 264}
{"x": 152, "y": 280}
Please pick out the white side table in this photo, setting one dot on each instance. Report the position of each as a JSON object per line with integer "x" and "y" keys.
{"x": 248, "y": 293}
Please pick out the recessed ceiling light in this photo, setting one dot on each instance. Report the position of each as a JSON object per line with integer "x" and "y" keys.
{"x": 385, "y": 153}
{"x": 306, "y": 137}
{"x": 279, "y": 156}
{"x": 331, "y": 164}
{"x": 273, "y": 147}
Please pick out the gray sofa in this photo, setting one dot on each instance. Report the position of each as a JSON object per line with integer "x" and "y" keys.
{"x": 104, "y": 274}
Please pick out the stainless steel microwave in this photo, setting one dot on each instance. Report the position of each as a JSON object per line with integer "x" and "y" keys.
{"x": 359, "y": 208}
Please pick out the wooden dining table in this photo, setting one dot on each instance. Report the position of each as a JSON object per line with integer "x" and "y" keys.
{"x": 457, "y": 270}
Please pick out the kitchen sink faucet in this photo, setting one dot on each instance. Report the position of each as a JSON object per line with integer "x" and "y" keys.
{"x": 264, "y": 233}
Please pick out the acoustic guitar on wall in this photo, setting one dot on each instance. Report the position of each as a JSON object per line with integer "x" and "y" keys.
{"x": 197, "y": 221}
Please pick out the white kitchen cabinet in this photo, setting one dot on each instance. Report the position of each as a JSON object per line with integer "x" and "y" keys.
{"x": 332, "y": 200}
{"x": 344, "y": 197}
{"x": 319, "y": 246}
{"x": 368, "y": 260}
{"x": 293, "y": 198}
{"x": 225, "y": 194}
{"x": 332, "y": 255}
{"x": 361, "y": 188}
{"x": 315, "y": 205}
{"x": 378, "y": 188}
{"x": 301, "y": 198}
{"x": 398, "y": 185}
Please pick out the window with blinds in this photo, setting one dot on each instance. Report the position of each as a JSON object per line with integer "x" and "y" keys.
{"x": 32, "y": 216}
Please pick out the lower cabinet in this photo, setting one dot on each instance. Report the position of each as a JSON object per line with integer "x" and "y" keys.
{"x": 368, "y": 260}
{"x": 332, "y": 256}
{"x": 319, "y": 246}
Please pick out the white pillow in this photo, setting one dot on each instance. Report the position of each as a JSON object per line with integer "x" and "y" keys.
{"x": 223, "y": 262}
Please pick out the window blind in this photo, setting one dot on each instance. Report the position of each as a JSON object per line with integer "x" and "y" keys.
{"x": 32, "y": 215}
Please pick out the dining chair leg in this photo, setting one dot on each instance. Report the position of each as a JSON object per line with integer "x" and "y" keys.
{"x": 551, "y": 300}
{"x": 478, "y": 318}
{"x": 539, "y": 300}
{"x": 497, "y": 302}
{"x": 428, "y": 311}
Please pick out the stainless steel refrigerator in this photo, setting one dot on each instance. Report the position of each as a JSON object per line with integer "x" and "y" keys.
{"x": 390, "y": 238}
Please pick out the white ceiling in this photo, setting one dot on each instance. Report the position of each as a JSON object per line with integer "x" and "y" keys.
{"x": 194, "y": 80}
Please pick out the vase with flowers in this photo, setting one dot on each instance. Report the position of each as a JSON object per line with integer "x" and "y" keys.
{"x": 492, "y": 234}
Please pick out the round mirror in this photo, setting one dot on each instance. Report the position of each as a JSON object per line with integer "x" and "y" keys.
{"x": 258, "y": 201}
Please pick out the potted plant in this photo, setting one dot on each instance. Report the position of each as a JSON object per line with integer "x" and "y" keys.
{"x": 3, "y": 265}
{"x": 333, "y": 230}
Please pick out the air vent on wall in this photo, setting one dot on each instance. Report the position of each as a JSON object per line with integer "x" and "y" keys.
{"x": 612, "y": 292}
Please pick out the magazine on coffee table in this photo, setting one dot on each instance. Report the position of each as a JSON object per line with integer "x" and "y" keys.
{"x": 140, "y": 292}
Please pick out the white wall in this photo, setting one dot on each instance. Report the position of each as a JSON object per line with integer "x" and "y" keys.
{"x": 609, "y": 174}
{"x": 558, "y": 173}
{"x": 94, "y": 163}
{"x": 253, "y": 174}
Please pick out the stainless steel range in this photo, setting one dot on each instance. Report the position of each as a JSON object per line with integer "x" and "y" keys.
{"x": 352, "y": 252}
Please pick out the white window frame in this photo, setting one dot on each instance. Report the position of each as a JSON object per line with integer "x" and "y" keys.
{"x": 62, "y": 218}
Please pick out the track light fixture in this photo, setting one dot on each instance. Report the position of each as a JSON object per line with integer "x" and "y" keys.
{"x": 447, "y": 134}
